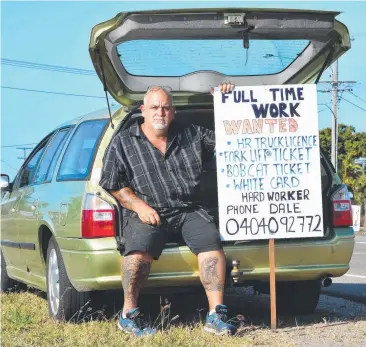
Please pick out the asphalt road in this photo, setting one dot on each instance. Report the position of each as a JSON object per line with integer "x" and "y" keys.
{"x": 352, "y": 285}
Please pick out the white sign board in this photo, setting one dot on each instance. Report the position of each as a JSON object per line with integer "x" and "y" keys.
{"x": 356, "y": 215}
{"x": 268, "y": 162}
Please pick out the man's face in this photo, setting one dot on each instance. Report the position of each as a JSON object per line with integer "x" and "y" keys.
{"x": 158, "y": 111}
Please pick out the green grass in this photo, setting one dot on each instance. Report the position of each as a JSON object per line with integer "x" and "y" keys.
{"x": 25, "y": 322}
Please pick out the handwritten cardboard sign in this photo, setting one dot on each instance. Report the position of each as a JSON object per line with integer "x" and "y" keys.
{"x": 268, "y": 162}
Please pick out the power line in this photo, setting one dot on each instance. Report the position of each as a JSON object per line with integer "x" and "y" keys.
{"x": 357, "y": 97}
{"x": 354, "y": 104}
{"x": 22, "y": 144}
{"x": 8, "y": 165}
{"x": 47, "y": 67}
{"x": 50, "y": 92}
{"x": 340, "y": 90}
{"x": 339, "y": 82}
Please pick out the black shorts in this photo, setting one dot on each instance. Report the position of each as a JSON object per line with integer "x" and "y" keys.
{"x": 199, "y": 234}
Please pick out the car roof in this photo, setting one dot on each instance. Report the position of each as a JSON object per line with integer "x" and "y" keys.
{"x": 98, "y": 114}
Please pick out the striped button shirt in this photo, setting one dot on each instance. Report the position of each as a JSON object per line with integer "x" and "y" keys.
{"x": 168, "y": 183}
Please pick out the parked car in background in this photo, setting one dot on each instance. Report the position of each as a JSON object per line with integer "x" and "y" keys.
{"x": 61, "y": 231}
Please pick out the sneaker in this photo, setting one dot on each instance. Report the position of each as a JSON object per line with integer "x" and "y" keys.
{"x": 134, "y": 324}
{"x": 216, "y": 323}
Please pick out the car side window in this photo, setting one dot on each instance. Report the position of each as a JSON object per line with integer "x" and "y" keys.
{"x": 27, "y": 175}
{"x": 49, "y": 159}
{"x": 79, "y": 154}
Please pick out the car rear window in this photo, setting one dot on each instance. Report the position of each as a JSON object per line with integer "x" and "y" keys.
{"x": 78, "y": 157}
{"x": 180, "y": 57}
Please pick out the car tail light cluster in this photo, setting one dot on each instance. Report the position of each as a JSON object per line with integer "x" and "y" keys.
{"x": 341, "y": 207}
{"x": 98, "y": 218}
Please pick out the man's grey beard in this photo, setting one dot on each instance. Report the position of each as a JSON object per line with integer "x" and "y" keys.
{"x": 159, "y": 126}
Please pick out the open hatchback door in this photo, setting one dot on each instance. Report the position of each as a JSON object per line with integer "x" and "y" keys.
{"x": 188, "y": 51}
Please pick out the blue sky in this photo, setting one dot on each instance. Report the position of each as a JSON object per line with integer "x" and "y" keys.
{"x": 57, "y": 33}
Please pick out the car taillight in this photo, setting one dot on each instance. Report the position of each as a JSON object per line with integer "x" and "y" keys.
{"x": 341, "y": 207}
{"x": 98, "y": 218}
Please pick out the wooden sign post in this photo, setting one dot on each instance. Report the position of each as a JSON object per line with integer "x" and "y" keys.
{"x": 272, "y": 283}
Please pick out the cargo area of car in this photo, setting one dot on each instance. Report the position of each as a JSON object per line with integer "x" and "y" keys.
{"x": 209, "y": 195}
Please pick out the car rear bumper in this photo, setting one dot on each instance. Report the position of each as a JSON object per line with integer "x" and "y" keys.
{"x": 94, "y": 264}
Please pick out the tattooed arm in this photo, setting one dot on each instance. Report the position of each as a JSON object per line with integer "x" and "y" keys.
{"x": 129, "y": 200}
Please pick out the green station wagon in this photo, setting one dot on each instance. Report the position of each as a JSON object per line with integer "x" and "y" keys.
{"x": 61, "y": 232}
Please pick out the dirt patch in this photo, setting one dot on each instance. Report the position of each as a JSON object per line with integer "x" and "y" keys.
{"x": 336, "y": 322}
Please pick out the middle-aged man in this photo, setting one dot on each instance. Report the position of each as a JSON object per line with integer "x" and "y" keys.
{"x": 153, "y": 169}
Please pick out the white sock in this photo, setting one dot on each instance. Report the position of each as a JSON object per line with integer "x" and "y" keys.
{"x": 212, "y": 311}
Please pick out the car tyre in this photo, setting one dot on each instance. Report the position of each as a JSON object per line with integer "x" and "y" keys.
{"x": 297, "y": 297}
{"x": 7, "y": 283}
{"x": 65, "y": 303}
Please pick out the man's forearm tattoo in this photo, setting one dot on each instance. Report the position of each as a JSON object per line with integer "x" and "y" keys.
{"x": 134, "y": 273}
{"x": 127, "y": 198}
{"x": 209, "y": 275}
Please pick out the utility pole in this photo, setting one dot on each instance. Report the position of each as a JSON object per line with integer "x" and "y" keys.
{"x": 335, "y": 114}
{"x": 25, "y": 152}
{"x": 334, "y": 90}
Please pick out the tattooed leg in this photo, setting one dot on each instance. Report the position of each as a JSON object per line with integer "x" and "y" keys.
{"x": 212, "y": 274}
{"x": 135, "y": 270}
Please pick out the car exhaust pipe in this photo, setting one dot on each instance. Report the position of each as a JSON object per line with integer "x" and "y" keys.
{"x": 326, "y": 282}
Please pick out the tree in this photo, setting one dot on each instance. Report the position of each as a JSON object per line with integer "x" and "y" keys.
{"x": 360, "y": 189}
{"x": 325, "y": 138}
{"x": 351, "y": 145}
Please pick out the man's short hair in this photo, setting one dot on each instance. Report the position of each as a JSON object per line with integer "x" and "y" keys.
{"x": 156, "y": 89}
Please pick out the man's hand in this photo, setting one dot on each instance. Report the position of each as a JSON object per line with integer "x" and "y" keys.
{"x": 148, "y": 215}
{"x": 129, "y": 200}
{"x": 224, "y": 88}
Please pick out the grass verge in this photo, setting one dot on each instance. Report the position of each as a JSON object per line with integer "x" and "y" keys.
{"x": 25, "y": 322}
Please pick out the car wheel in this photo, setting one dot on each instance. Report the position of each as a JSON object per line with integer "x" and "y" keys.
{"x": 7, "y": 283}
{"x": 297, "y": 297}
{"x": 65, "y": 303}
